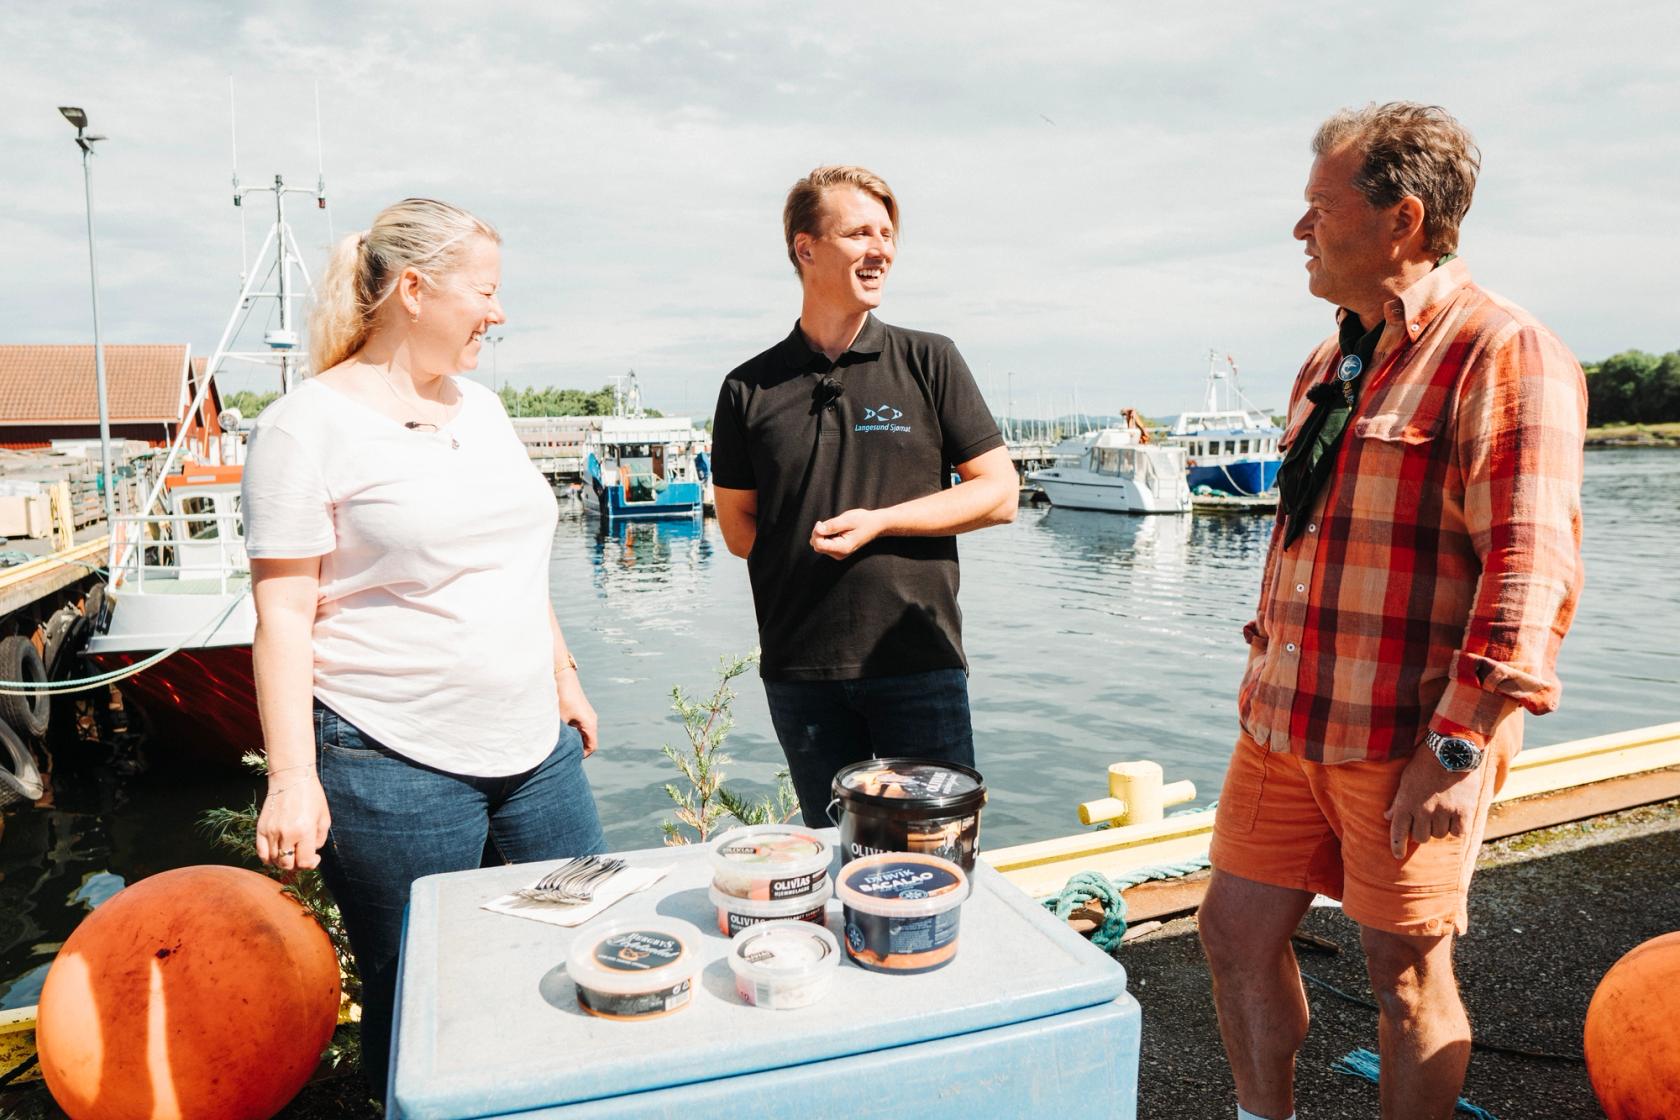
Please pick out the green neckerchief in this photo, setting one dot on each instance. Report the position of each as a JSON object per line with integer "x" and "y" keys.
{"x": 1310, "y": 459}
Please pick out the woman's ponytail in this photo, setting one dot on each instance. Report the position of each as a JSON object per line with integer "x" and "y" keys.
{"x": 419, "y": 233}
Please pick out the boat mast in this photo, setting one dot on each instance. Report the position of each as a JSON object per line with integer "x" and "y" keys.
{"x": 280, "y": 342}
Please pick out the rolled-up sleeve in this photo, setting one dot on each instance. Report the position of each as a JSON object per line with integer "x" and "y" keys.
{"x": 1521, "y": 425}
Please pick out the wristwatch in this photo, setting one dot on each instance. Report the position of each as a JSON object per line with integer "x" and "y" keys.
{"x": 1454, "y": 753}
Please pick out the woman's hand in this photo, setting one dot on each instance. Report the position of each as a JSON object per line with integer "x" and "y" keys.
{"x": 293, "y": 823}
{"x": 575, "y": 708}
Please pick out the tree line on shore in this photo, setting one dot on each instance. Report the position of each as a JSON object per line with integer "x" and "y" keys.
{"x": 1634, "y": 387}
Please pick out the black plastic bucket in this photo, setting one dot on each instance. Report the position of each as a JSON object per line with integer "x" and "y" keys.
{"x": 909, "y": 805}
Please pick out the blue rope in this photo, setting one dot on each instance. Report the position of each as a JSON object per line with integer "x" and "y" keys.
{"x": 1084, "y": 887}
{"x": 1363, "y": 1063}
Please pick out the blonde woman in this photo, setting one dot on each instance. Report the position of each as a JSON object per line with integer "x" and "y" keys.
{"x": 420, "y": 709}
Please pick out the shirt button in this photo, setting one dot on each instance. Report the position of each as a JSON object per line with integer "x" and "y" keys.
{"x": 1290, "y": 647}
{"x": 1313, "y": 528}
{"x": 1300, "y": 587}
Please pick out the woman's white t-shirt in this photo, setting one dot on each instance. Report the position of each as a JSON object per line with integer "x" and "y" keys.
{"x": 431, "y": 633}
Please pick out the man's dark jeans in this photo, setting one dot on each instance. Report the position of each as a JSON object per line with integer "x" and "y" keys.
{"x": 394, "y": 821}
{"x": 826, "y": 725}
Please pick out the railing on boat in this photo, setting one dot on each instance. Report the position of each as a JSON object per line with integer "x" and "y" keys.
{"x": 177, "y": 547}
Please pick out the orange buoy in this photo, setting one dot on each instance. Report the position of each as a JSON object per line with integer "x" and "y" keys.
{"x": 201, "y": 992}
{"x": 1633, "y": 1035}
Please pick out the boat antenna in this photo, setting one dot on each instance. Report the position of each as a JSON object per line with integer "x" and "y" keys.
{"x": 321, "y": 167}
{"x": 238, "y": 195}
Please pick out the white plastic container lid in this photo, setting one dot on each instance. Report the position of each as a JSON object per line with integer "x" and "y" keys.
{"x": 775, "y": 909}
{"x": 770, "y": 851}
{"x": 902, "y": 885}
{"x": 635, "y": 955}
{"x": 784, "y": 954}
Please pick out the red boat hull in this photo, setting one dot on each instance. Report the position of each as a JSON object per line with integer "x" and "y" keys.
{"x": 200, "y": 704}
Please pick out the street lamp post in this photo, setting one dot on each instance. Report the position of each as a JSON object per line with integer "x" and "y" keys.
{"x": 86, "y": 141}
{"x": 493, "y": 339}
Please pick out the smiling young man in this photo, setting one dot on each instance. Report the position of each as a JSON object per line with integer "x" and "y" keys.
{"x": 832, "y": 460}
{"x": 1424, "y": 567}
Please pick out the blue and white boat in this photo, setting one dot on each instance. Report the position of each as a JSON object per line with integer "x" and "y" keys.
{"x": 638, "y": 467}
{"x": 1230, "y": 446}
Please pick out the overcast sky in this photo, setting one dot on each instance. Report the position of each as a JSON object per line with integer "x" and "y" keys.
{"x": 1093, "y": 194}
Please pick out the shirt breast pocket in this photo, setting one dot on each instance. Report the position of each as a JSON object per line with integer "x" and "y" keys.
{"x": 1399, "y": 448}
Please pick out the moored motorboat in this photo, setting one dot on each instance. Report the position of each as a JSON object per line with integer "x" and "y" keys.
{"x": 1116, "y": 470}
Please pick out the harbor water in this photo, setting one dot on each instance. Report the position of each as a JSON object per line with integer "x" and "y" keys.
{"x": 1091, "y": 637}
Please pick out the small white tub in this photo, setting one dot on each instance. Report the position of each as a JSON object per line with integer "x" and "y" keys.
{"x": 783, "y": 964}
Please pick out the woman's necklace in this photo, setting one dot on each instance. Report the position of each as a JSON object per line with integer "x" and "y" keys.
{"x": 416, "y": 425}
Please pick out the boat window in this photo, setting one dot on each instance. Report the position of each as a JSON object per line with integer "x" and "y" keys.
{"x": 238, "y": 516}
{"x": 1128, "y": 462}
{"x": 638, "y": 476}
{"x": 202, "y": 508}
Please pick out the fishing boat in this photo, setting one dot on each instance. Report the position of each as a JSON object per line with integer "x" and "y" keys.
{"x": 637, "y": 467}
{"x": 180, "y": 581}
{"x": 1116, "y": 470}
{"x": 1230, "y": 447}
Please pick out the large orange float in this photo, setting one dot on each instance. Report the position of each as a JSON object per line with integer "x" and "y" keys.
{"x": 1633, "y": 1034}
{"x": 203, "y": 992}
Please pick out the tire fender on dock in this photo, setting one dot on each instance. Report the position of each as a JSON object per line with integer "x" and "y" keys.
{"x": 21, "y": 662}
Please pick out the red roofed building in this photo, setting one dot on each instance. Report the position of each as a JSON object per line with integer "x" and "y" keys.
{"x": 49, "y": 393}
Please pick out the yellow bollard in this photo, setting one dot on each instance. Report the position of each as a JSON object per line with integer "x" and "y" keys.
{"x": 1137, "y": 794}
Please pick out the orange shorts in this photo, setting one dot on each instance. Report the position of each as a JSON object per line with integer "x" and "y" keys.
{"x": 1292, "y": 823}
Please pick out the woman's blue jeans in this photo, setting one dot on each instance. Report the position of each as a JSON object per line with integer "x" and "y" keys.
{"x": 394, "y": 821}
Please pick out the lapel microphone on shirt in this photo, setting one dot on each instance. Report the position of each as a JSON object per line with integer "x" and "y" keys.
{"x": 829, "y": 390}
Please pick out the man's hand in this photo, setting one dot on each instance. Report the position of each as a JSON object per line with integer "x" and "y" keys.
{"x": 576, "y": 709}
{"x": 1432, "y": 801}
{"x": 842, "y": 535}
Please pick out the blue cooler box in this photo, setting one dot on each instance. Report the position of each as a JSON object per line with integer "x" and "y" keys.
{"x": 1027, "y": 1020}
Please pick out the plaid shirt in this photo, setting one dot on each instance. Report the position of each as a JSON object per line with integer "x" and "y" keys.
{"x": 1441, "y": 563}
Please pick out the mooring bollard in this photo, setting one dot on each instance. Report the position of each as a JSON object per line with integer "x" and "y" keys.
{"x": 1137, "y": 794}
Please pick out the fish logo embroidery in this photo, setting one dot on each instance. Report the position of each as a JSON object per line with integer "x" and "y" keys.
{"x": 886, "y": 413}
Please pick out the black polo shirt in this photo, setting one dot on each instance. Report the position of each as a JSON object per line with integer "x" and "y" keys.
{"x": 908, "y": 412}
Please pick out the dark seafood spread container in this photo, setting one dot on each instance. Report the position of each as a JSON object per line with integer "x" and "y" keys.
{"x": 902, "y": 911}
{"x": 910, "y": 805}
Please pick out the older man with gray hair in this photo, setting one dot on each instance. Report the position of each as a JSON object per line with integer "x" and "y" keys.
{"x": 1423, "y": 569}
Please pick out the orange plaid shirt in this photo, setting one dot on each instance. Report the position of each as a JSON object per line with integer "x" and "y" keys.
{"x": 1441, "y": 562}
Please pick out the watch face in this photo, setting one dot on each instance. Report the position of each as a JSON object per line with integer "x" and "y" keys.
{"x": 1457, "y": 754}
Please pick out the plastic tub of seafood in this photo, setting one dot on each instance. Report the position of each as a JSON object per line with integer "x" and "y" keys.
{"x": 783, "y": 964}
{"x": 639, "y": 968}
{"x": 736, "y": 914}
{"x": 770, "y": 862}
{"x": 902, "y": 911}
{"x": 909, "y": 805}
